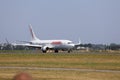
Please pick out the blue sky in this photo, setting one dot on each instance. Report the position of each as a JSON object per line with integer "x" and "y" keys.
{"x": 93, "y": 21}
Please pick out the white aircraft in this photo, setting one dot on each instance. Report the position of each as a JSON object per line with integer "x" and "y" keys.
{"x": 45, "y": 45}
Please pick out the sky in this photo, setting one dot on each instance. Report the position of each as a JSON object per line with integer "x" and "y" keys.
{"x": 93, "y": 21}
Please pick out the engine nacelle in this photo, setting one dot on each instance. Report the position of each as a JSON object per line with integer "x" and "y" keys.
{"x": 44, "y": 49}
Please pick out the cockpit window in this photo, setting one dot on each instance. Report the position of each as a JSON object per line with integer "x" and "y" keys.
{"x": 69, "y": 42}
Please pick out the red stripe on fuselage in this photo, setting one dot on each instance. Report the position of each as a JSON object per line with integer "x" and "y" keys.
{"x": 56, "y": 42}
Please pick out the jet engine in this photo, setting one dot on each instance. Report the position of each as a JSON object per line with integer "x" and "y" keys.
{"x": 44, "y": 49}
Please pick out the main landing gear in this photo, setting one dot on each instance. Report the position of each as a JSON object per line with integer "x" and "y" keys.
{"x": 69, "y": 51}
{"x": 56, "y": 51}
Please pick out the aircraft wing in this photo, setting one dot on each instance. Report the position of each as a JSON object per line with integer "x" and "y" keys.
{"x": 28, "y": 45}
{"x": 25, "y": 42}
{"x": 33, "y": 45}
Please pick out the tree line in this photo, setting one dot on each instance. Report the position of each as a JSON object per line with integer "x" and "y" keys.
{"x": 112, "y": 46}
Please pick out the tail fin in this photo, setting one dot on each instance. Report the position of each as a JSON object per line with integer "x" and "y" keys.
{"x": 32, "y": 33}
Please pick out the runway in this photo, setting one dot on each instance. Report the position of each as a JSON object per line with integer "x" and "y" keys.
{"x": 61, "y": 69}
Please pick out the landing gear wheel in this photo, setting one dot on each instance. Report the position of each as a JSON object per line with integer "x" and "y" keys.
{"x": 56, "y": 51}
{"x": 69, "y": 51}
{"x": 44, "y": 51}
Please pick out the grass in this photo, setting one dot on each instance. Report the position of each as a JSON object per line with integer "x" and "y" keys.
{"x": 60, "y": 75}
{"x": 88, "y": 60}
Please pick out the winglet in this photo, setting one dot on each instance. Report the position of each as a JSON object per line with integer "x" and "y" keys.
{"x": 79, "y": 42}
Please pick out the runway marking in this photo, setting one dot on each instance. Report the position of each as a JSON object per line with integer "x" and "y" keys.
{"x": 61, "y": 69}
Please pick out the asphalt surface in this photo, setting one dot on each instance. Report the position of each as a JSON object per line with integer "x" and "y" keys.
{"x": 61, "y": 69}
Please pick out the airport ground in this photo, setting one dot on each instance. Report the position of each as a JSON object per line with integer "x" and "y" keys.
{"x": 61, "y": 66}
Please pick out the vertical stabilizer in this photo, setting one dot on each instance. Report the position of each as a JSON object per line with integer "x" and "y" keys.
{"x": 32, "y": 33}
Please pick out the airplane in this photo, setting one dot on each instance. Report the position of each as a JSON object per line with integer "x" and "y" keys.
{"x": 45, "y": 45}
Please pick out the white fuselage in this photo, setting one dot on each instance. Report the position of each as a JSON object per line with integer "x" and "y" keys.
{"x": 55, "y": 44}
